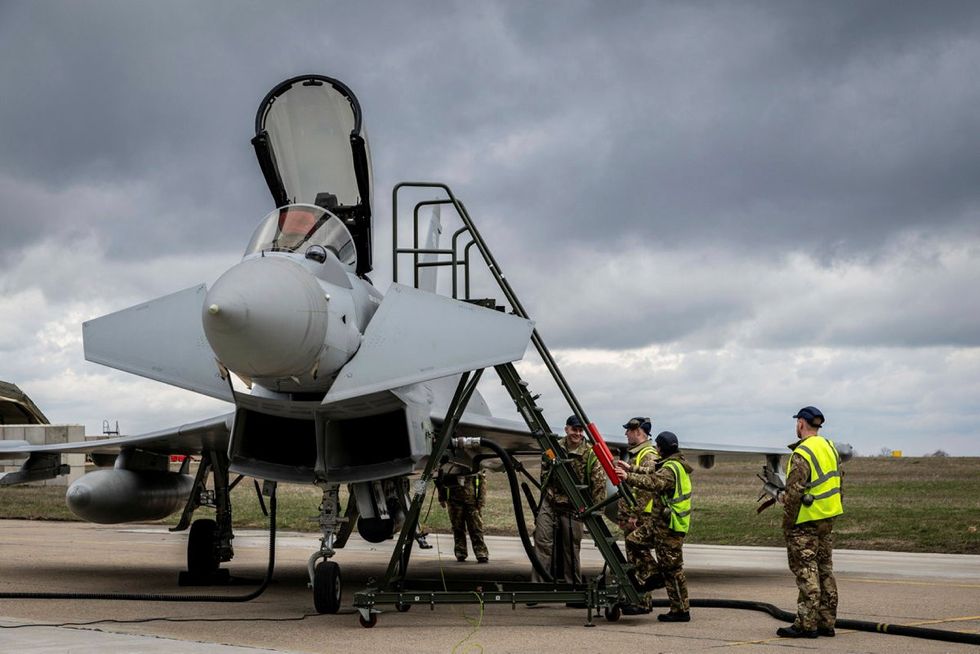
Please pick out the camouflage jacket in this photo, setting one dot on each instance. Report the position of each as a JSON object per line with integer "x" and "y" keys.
{"x": 462, "y": 489}
{"x": 660, "y": 481}
{"x": 578, "y": 462}
{"x": 649, "y": 463}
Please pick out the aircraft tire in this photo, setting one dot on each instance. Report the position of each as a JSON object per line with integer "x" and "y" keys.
{"x": 201, "y": 556}
{"x": 327, "y": 587}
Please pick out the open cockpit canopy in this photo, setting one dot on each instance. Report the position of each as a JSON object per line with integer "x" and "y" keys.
{"x": 311, "y": 146}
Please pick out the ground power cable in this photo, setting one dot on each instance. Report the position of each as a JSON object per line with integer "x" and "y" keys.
{"x": 156, "y": 597}
{"x": 856, "y": 625}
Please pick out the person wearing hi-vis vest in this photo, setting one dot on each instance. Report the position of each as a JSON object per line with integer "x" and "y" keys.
{"x": 811, "y": 500}
{"x": 637, "y": 522}
{"x": 670, "y": 482}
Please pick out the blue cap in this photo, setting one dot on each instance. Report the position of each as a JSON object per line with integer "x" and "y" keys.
{"x": 639, "y": 422}
{"x": 573, "y": 421}
{"x": 811, "y": 415}
{"x": 667, "y": 442}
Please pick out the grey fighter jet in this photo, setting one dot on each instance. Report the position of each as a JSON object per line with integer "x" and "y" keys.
{"x": 332, "y": 382}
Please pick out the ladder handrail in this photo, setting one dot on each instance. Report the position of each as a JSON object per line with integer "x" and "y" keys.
{"x": 595, "y": 438}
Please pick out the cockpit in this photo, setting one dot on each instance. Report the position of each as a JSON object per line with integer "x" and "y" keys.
{"x": 313, "y": 152}
{"x": 300, "y": 227}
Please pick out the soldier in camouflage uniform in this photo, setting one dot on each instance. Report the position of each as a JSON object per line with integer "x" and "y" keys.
{"x": 669, "y": 482}
{"x": 638, "y": 524}
{"x": 556, "y": 513}
{"x": 463, "y": 495}
{"x": 810, "y": 502}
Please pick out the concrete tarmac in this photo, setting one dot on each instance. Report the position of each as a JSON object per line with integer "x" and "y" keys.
{"x": 934, "y": 590}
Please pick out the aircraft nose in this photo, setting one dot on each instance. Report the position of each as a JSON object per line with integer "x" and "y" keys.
{"x": 266, "y": 317}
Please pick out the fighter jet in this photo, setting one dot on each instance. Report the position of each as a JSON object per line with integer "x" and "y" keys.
{"x": 332, "y": 383}
{"x": 336, "y": 383}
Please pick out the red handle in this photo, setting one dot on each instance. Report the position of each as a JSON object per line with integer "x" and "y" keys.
{"x": 603, "y": 453}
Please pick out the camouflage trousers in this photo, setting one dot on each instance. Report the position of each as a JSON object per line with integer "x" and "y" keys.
{"x": 668, "y": 545}
{"x": 639, "y": 543}
{"x": 556, "y": 526}
{"x": 809, "y": 547}
{"x": 467, "y": 518}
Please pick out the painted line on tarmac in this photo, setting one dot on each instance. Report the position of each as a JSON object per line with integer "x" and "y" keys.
{"x": 966, "y": 618}
{"x": 909, "y": 582}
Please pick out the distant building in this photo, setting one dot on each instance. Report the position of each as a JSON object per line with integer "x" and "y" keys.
{"x": 18, "y": 409}
{"x": 22, "y": 420}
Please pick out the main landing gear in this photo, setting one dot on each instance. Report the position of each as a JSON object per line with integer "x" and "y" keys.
{"x": 209, "y": 541}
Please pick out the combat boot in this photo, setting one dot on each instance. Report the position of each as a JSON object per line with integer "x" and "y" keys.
{"x": 792, "y": 632}
{"x": 633, "y": 609}
{"x": 675, "y": 616}
{"x": 826, "y": 631}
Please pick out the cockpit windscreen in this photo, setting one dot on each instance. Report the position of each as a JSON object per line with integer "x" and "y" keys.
{"x": 297, "y": 227}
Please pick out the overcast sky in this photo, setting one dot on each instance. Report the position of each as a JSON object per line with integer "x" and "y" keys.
{"x": 716, "y": 212}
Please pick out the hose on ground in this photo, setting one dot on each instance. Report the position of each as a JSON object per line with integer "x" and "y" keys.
{"x": 857, "y": 625}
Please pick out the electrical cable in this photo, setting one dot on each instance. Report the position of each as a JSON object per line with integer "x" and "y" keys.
{"x": 153, "y": 597}
{"x": 92, "y": 623}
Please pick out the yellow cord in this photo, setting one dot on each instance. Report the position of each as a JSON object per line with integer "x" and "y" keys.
{"x": 476, "y": 623}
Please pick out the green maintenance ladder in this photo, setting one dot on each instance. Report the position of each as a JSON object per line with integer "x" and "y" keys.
{"x": 610, "y": 590}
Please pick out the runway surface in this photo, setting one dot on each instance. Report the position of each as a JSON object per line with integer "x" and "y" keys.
{"x": 934, "y": 590}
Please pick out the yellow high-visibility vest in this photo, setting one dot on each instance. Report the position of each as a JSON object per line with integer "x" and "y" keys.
{"x": 824, "y": 484}
{"x": 680, "y": 502}
{"x": 649, "y": 449}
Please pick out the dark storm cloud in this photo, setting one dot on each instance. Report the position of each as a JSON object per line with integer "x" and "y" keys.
{"x": 726, "y": 124}
{"x": 753, "y": 124}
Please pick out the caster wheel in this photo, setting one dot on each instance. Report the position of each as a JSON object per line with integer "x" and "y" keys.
{"x": 327, "y": 587}
{"x": 370, "y": 622}
{"x": 402, "y": 608}
{"x": 613, "y": 613}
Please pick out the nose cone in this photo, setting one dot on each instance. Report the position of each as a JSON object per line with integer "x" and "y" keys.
{"x": 266, "y": 317}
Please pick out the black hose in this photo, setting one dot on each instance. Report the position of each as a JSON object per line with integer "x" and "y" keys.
{"x": 147, "y": 597}
{"x": 857, "y": 625}
{"x": 515, "y": 495}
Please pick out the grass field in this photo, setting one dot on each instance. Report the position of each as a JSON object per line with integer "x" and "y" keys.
{"x": 901, "y": 504}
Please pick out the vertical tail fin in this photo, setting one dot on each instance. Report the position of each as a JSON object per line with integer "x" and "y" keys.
{"x": 429, "y": 276}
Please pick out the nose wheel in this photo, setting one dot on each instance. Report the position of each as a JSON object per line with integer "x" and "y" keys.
{"x": 327, "y": 587}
